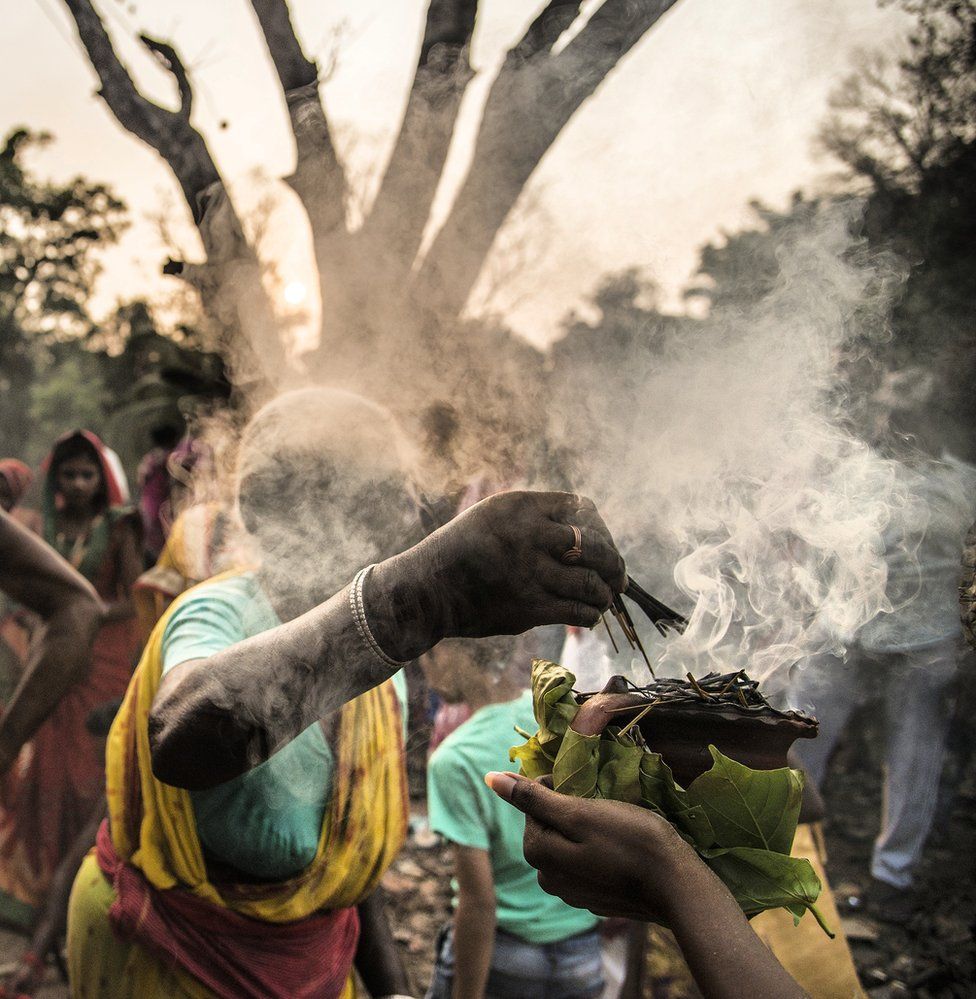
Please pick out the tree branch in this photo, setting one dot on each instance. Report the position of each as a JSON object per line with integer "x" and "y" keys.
{"x": 229, "y": 281}
{"x": 170, "y": 61}
{"x": 402, "y": 205}
{"x": 319, "y": 179}
{"x": 533, "y": 97}
{"x": 544, "y": 31}
{"x": 168, "y": 132}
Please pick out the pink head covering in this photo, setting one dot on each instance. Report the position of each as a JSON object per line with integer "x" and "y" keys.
{"x": 17, "y": 476}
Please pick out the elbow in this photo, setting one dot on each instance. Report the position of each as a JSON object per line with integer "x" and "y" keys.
{"x": 164, "y": 744}
{"x": 170, "y": 731}
{"x": 192, "y": 744}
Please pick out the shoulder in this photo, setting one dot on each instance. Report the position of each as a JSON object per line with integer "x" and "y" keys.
{"x": 209, "y": 617}
{"x": 124, "y": 523}
{"x": 231, "y": 593}
{"x": 452, "y": 761}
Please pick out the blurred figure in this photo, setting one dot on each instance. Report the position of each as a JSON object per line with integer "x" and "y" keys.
{"x": 15, "y": 480}
{"x": 154, "y": 480}
{"x": 203, "y": 539}
{"x": 907, "y": 657}
{"x": 508, "y": 937}
{"x": 47, "y": 797}
{"x": 16, "y": 622}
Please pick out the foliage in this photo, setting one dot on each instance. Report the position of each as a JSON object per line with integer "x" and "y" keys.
{"x": 741, "y": 821}
{"x": 48, "y": 237}
{"x": 59, "y": 368}
{"x": 896, "y": 120}
{"x": 71, "y": 394}
{"x": 908, "y": 129}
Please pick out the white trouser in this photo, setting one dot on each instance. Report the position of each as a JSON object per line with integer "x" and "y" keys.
{"x": 914, "y": 688}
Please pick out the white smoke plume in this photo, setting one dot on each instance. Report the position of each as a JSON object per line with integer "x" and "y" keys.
{"x": 735, "y": 455}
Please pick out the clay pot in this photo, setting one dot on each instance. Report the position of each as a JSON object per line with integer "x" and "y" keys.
{"x": 757, "y": 737}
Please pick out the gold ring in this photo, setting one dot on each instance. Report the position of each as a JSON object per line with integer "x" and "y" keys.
{"x": 575, "y": 552}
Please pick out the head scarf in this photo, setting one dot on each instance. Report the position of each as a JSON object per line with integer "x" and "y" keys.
{"x": 18, "y": 477}
{"x": 87, "y": 553}
{"x": 116, "y": 487}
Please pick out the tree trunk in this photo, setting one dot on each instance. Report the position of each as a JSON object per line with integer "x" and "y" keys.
{"x": 383, "y": 309}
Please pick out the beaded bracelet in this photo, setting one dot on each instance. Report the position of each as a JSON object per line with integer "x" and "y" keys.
{"x": 358, "y": 608}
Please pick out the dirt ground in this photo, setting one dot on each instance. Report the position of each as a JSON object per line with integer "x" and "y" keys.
{"x": 934, "y": 957}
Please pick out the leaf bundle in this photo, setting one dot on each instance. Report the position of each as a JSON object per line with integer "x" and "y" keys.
{"x": 740, "y": 821}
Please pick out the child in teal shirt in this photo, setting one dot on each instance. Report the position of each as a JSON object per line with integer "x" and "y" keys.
{"x": 509, "y": 939}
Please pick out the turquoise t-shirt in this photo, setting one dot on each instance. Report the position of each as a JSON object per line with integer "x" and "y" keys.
{"x": 266, "y": 822}
{"x": 465, "y": 811}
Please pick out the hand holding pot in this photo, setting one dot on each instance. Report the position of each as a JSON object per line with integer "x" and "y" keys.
{"x": 617, "y": 859}
{"x": 609, "y": 857}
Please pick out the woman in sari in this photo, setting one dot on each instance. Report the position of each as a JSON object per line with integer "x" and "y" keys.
{"x": 48, "y": 792}
{"x": 256, "y": 783}
{"x": 16, "y": 622}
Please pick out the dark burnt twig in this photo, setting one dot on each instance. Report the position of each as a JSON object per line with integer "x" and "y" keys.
{"x": 718, "y": 690}
{"x": 661, "y": 616}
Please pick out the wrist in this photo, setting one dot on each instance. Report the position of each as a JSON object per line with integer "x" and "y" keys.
{"x": 675, "y": 863}
{"x": 402, "y": 608}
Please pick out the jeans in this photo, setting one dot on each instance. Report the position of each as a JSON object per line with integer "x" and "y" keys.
{"x": 914, "y": 687}
{"x": 567, "y": 969}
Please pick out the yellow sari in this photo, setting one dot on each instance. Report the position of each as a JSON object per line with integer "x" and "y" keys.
{"x": 153, "y": 829}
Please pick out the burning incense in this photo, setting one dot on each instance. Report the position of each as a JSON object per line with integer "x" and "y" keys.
{"x": 661, "y": 616}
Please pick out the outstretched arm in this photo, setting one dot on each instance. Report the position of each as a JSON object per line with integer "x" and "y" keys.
{"x": 622, "y": 860}
{"x": 496, "y": 569}
{"x": 71, "y": 613}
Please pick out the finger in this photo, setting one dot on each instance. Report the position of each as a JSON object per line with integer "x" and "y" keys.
{"x": 575, "y": 583}
{"x": 558, "y": 811}
{"x": 545, "y": 848}
{"x": 574, "y": 613}
{"x": 599, "y": 553}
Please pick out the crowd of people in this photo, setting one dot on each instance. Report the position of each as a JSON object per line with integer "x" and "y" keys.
{"x": 205, "y": 715}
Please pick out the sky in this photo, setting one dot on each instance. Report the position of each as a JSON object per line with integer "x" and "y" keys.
{"x": 718, "y": 104}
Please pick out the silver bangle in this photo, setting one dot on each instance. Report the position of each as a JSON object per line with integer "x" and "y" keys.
{"x": 358, "y": 608}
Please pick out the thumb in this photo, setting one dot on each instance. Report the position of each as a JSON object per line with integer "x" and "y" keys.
{"x": 558, "y": 811}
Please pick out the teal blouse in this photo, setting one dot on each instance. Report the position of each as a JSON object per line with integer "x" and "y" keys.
{"x": 265, "y": 823}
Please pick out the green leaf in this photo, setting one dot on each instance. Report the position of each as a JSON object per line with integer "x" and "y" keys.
{"x": 576, "y": 767}
{"x": 693, "y": 823}
{"x": 619, "y": 774}
{"x": 533, "y": 762}
{"x": 762, "y": 879}
{"x": 749, "y": 808}
{"x": 553, "y": 703}
{"x": 658, "y": 788}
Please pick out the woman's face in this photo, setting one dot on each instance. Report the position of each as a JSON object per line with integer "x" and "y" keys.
{"x": 79, "y": 480}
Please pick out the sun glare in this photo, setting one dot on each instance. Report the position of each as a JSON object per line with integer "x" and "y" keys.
{"x": 295, "y": 292}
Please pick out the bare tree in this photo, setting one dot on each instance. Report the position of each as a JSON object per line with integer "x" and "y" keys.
{"x": 894, "y": 120}
{"x": 377, "y": 293}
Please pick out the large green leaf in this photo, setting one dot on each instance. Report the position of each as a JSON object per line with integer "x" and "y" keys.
{"x": 576, "y": 767}
{"x": 619, "y": 774}
{"x": 762, "y": 879}
{"x": 658, "y": 787}
{"x": 750, "y": 808}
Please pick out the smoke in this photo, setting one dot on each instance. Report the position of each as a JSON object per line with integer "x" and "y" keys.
{"x": 728, "y": 457}
{"x": 734, "y": 453}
